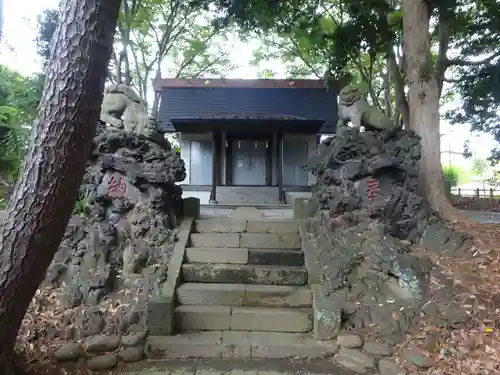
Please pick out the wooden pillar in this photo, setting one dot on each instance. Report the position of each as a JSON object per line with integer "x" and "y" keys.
{"x": 269, "y": 160}
{"x": 229, "y": 160}
{"x": 213, "y": 192}
{"x": 223, "y": 159}
{"x": 280, "y": 168}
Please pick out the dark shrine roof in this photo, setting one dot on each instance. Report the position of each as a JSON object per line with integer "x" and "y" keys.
{"x": 217, "y": 104}
{"x": 249, "y": 116}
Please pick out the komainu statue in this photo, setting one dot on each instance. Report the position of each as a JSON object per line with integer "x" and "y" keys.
{"x": 354, "y": 107}
{"x": 124, "y": 109}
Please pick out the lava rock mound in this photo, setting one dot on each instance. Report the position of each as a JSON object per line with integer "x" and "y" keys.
{"x": 366, "y": 212}
{"x": 377, "y": 171}
{"x": 121, "y": 234}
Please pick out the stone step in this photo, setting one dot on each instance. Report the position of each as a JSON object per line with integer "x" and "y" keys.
{"x": 239, "y": 255}
{"x": 238, "y": 344}
{"x": 278, "y": 296}
{"x": 221, "y": 225}
{"x": 247, "y": 240}
{"x": 276, "y": 257}
{"x": 244, "y": 295}
{"x": 238, "y": 318}
{"x": 230, "y": 225}
{"x": 230, "y": 255}
{"x": 272, "y": 226}
{"x": 223, "y": 240}
{"x": 264, "y": 206}
{"x": 243, "y": 274}
{"x": 271, "y": 241}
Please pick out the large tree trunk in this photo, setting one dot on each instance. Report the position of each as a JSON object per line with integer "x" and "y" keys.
{"x": 43, "y": 199}
{"x": 424, "y": 104}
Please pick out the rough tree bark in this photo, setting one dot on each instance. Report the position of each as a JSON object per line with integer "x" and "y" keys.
{"x": 423, "y": 100}
{"x": 44, "y": 196}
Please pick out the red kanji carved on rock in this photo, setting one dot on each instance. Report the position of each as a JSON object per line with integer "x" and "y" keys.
{"x": 372, "y": 189}
{"x": 117, "y": 186}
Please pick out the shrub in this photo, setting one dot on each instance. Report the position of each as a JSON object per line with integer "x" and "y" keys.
{"x": 451, "y": 175}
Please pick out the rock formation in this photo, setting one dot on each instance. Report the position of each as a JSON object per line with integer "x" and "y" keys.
{"x": 120, "y": 238}
{"x": 367, "y": 213}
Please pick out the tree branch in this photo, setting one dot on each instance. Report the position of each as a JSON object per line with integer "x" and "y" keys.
{"x": 188, "y": 61}
{"x": 442, "y": 59}
{"x": 451, "y": 80}
{"x": 204, "y": 68}
{"x": 463, "y": 62}
{"x": 387, "y": 93}
{"x": 399, "y": 85}
{"x": 302, "y": 57}
{"x": 367, "y": 75}
{"x": 295, "y": 51}
{"x": 166, "y": 41}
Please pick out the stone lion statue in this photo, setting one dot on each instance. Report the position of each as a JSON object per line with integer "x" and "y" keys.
{"x": 124, "y": 109}
{"x": 354, "y": 107}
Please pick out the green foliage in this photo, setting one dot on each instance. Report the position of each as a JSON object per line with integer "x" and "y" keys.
{"x": 494, "y": 180}
{"x": 338, "y": 31}
{"x": 47, "y": 23}
{"x": 175, "y": 34}
{"x": 337, "y": 40}
{"x": 19, "y": 97}
{"x": 13, "y": 147}
{"x": 173, "y": 138}
{"x": 480, "y": 166}
{"x": 83, "y": 204}
{"x": 452, "y": 174}
{"x": 347, "y": 39}
{"x": 477, "y": 76}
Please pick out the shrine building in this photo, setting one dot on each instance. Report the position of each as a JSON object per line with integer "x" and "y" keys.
{"x": 246, "y": 141}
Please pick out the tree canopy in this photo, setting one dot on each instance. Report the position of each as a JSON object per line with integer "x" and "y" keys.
{"x": 357, "y": 41}
{"x": 175, "y": 36}
{"x": 404, "y": 52}
{"x": 362, "y": 40}
{"x": 477, "y": 80}
{"x": 19, "y": 98}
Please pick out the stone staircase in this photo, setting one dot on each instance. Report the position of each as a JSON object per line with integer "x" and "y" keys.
{"x": 244, "y": 275}
{"x": 241, "y": 293}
